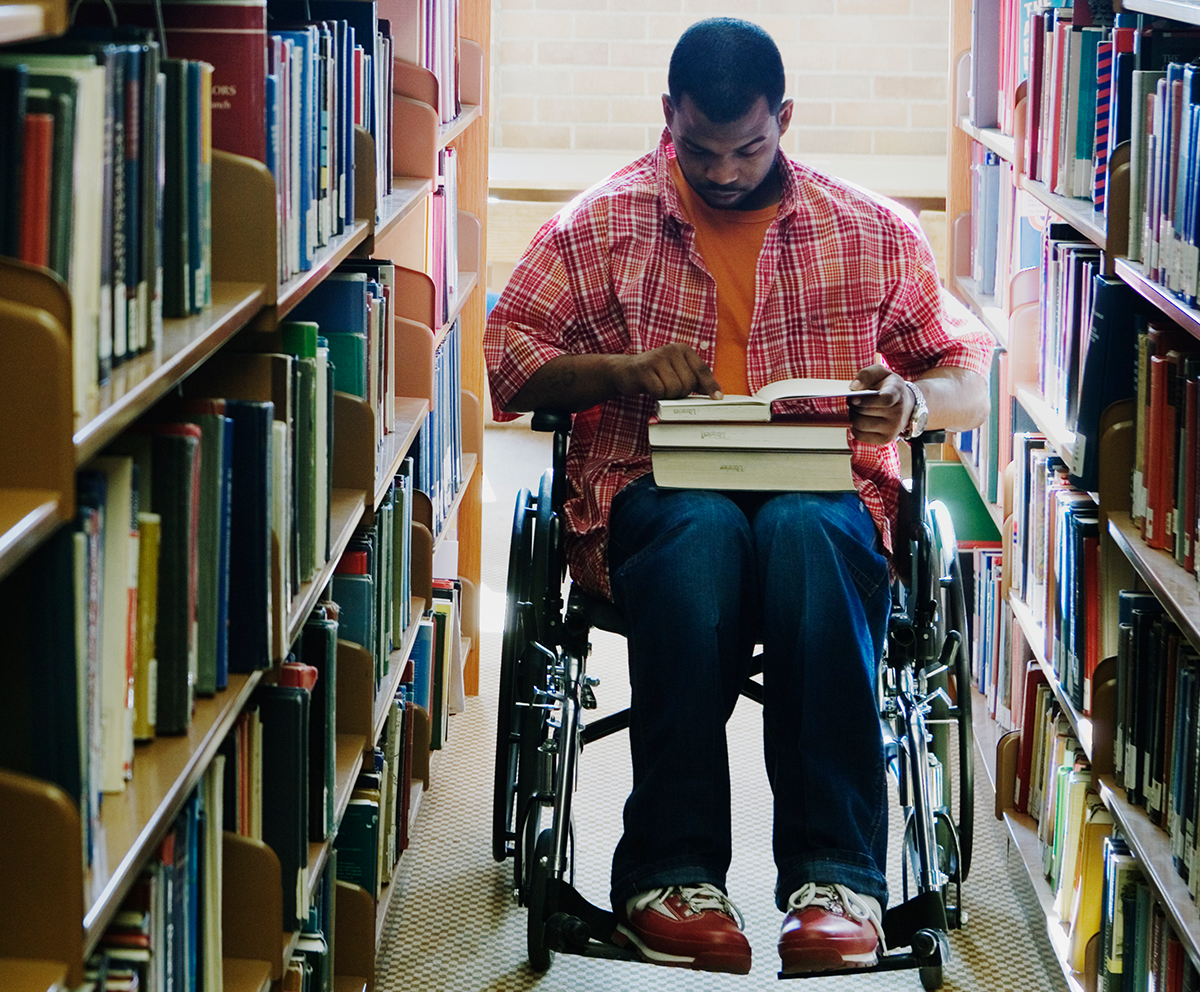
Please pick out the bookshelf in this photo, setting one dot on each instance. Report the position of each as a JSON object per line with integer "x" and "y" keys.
{"x": 53, "y": 914}
{"x": 1125, "y": 559}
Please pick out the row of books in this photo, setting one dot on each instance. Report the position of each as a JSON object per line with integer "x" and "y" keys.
{"x": 1006, "y": 226}
{"x": 167, "y": 935}
{"x": 438, "y": 464}
{"x": 431, "y": 40}
{"x": 354, "y": 309}
{"x": 1164, "y": 487}
{"x": 132, "y": 237}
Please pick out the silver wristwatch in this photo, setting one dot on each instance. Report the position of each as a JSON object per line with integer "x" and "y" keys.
{"x": 920, "y": 413}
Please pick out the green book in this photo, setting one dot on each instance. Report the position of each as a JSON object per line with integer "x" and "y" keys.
{"x": 357, "y": 842}
{"x": 300, "y": 341}
{"x": 348, "y": 353}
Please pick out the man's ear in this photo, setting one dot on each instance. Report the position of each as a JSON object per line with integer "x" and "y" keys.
{"x": 785, "y": 115}
{"x": 668, "y": 108}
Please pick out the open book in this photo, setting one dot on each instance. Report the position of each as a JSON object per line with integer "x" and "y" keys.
{"x": 758, "y": 406}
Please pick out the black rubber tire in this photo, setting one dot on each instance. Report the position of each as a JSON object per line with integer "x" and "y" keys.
{"x": 540, "y": 956}
{"x": 931, "y": 977}
{"x": 965, "y": 822}
{"x": 505, "y": 814}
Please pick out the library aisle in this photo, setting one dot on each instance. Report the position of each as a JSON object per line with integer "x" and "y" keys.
{"x": 454, "y": 926}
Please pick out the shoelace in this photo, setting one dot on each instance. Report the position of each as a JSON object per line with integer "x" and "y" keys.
{"x": 697, "y": 898}
{"x": 828, "y": 896}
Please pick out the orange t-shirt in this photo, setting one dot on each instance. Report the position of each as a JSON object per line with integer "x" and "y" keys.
{"x": 729, "y": 241}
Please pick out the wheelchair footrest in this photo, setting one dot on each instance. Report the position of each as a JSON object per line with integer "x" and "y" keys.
{"x": 924, "y": 911}
{"x": 897, "y": 961}
{"x": 578, "y": 927}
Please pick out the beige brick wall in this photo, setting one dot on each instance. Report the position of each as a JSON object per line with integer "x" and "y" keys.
{"x": 868, "y": 76}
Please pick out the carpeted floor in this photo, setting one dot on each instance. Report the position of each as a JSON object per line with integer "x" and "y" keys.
{"x": 454, "y": 925}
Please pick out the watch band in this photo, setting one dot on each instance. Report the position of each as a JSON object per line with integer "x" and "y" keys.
{"x": 920, "y": 413}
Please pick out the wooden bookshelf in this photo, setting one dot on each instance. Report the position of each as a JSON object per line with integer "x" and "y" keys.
{"x": 26, "y": 975}
{"x": 1153, "y": 849}
{"x": 348, "y": 764}
{"x": 165, "y": 771}
{"x": 986, "y": 308}
{"x": 139, "y": 383}
{"x": 1187, "y": 11}
{"x": 27, "y": 518}
{"x": 1171, "y": 305}
{"x": 1059, "y": 436}
{"x": 991, "y": 138}
{"x": 469, "y": 463}
{"x": 410, "y": 416}
{"x": 1035, "y": 635}
{"x": 349, "y": 983}
{"x": 345, "y": 511}
{"x": 396, "y": 662}
{"x": 1176, "y": 589}
{"x": 1080, "y": 214}
{"x": 239, "y": 975}
{"x": 337, "y": 251}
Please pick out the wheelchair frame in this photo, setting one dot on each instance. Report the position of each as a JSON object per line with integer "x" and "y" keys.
{"x": 541, "y": 730}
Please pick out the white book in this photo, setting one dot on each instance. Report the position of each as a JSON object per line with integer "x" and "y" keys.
{"x": 732, "y": 434}
{"x": 752, "y": 469}
{"x": 758, "y": 406}
{"x": 119, "y": 605}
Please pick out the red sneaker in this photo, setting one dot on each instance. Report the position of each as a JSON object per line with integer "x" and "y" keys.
{"x": 829, "y": 927}
{"x": 686, "y": 926}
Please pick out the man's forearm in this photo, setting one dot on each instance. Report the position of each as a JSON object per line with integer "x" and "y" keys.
{"x": 958, "y": 399}
{"x": 568, "y": 382}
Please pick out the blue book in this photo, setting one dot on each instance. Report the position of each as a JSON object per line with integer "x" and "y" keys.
{"x": 422, "y": 659}
{"x": 340, "y": 306}
{"x": 272, "y": 128}
{"x": 250, "y": 536}
{"x": 195, "y": 183}
{"x": 223, "y": 554}
{"x": 355, "y": 595}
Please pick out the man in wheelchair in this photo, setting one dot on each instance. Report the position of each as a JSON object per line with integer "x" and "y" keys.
{"x": 717, "y": 263}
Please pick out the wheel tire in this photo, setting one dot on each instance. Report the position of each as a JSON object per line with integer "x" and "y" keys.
{"x": 966, "y": 733}
{"x": 931, "y": 977}
{"x": 505, "y": 812}
{"x": 540, "y": 956}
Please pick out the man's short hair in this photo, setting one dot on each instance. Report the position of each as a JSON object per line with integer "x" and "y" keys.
{"x": 725, "y": 64}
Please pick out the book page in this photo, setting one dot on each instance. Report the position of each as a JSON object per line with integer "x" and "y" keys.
{"x": 793, "y": 389}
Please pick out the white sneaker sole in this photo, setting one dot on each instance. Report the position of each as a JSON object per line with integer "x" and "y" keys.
{"x": 650, "y": 954}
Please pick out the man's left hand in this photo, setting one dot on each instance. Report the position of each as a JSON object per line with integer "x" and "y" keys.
{"x": 880, "y": 419}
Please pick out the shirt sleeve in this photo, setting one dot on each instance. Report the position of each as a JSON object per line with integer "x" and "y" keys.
{"x": 530, "y": 322}
{"x": 923, "y": 326}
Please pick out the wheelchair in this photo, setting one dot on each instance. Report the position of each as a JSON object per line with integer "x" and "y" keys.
{"x": 545, "y": 691}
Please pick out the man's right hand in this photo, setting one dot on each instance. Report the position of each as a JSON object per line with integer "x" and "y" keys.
{"x": 577, "y": 382}
{"x": 670, "y": 372}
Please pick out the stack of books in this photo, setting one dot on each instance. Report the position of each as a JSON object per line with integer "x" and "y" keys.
{"x": 735, "y": 443}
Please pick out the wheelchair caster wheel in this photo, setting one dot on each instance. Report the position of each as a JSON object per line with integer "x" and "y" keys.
{"x": 540, "y": 955}
{"x": 931, "y": 977}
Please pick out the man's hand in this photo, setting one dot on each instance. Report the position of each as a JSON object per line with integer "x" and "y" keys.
{"x": 880, "y": 419}
{"x": 670, "y": 372}
{"x": 577, "y": 382}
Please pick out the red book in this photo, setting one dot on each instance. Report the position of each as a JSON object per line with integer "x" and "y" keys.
{"x": 293, "y": 673}
{"x": 35, "y": 198}
{"x": 232, "y": 37}
{"x": 352, "y": 563}
{"x": 1034, "y": 676}
{"x": 1033, "y": 106}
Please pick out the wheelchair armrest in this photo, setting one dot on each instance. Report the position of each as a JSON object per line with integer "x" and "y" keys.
{"x": 549, "y": 421}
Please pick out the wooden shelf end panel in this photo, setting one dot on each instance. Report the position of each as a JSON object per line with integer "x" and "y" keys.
{"x": 251, "y": 902}
{"x": 355, "y": 690}
{"x": 354, "y": 931}
{"x": 41, "y": 887}
{"x": 244, "y": 225}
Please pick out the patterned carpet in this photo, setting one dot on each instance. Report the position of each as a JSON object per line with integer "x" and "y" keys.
{"x": 454, "y": 925}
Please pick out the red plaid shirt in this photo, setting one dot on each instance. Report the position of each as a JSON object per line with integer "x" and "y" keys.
{"x": 843, "y": 280}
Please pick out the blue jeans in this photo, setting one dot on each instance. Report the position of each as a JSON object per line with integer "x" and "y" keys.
{"x": 701, "y": 577}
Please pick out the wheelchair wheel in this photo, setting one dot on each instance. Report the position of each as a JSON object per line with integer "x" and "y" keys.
{"x": 505, "y": 811}
{"x": 952, "y": 613}
{"x": 931, "y": 977}
{"x": 540, "y": 956}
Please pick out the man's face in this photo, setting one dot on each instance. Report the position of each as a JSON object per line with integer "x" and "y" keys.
{"x": 730, "y": 166}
